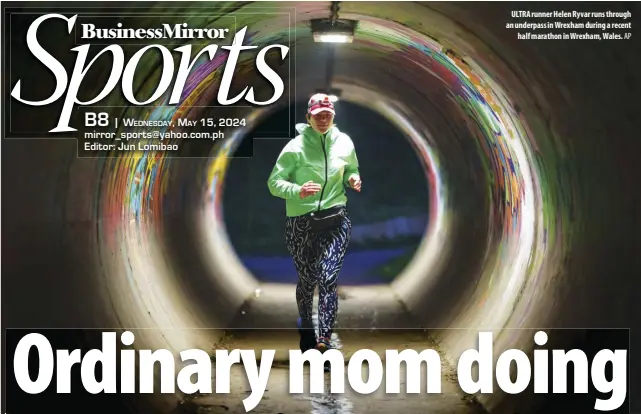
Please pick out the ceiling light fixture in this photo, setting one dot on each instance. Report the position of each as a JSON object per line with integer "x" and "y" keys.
{"x": 333, "y": 29}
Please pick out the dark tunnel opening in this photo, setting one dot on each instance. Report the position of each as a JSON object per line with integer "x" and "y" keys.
{"x": 389, "y": 217}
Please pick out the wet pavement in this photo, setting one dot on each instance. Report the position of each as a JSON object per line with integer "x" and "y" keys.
{"x": 359, "y": 326}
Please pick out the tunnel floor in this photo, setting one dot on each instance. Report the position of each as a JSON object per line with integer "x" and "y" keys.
{"x": 368, "y": 319}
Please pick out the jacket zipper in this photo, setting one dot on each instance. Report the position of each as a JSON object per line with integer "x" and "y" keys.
{"x": 320, "y": 200}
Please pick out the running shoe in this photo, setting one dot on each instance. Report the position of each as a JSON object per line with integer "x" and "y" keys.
{"x": 307, "y": 336}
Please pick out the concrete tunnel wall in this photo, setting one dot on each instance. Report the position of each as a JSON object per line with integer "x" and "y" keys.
{"x": 87, "y": 239}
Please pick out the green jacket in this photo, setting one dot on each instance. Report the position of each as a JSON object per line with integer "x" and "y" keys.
{"x": 329, "y": 160}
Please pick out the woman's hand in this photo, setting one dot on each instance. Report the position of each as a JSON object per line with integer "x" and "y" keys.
{"x": 355, "y": 183}
{"x": 309, "y": 188}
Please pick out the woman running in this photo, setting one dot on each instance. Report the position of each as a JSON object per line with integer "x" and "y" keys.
{"x": 311, "y": 174}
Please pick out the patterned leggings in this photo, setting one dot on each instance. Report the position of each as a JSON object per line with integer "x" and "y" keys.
{"x": 318, "y": 257}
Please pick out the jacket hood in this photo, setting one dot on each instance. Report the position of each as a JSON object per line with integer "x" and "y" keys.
{"x": 304, "y": 129}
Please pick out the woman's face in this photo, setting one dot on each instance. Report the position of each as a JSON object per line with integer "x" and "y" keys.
{"x": 322, "y": 121}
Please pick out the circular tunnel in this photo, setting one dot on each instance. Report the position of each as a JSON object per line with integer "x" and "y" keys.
{"x": 390, "y": 218}
{"x": 530, "y": 209}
